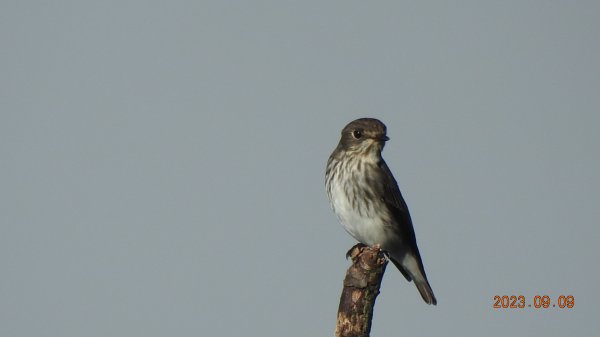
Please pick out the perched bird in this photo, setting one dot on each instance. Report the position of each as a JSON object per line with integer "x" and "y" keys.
{"x": 366, "y": 199}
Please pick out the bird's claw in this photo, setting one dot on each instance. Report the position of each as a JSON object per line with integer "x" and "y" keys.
{"x": 356, "y": 246}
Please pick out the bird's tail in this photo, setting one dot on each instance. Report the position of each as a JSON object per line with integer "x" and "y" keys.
{"x": 425, "y": 291}
{"x": 412, "y": 269}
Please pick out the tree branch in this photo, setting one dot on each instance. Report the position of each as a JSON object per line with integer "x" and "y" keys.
{"x": 361, "y": 287}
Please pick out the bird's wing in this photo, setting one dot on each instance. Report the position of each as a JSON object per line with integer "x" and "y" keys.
{"x": 394, "y": 200}
{"x": 402, "y": 226}
{"x": 402, "y": 223}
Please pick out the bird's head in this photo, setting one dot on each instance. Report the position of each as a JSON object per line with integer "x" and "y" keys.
{"x": 363, "y": 135}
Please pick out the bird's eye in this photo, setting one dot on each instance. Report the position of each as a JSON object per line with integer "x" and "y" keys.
{"x": 357, "y": 134}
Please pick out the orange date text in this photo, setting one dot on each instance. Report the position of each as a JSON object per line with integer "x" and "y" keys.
{"x": 537, "y": 302}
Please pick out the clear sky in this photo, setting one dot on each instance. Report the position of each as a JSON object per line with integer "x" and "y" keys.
{"x": 162, "y": 163}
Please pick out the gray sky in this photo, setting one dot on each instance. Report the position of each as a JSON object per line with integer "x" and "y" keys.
{"x": 163, "y": 163}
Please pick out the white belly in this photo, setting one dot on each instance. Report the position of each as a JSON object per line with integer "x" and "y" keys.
{"x": 363, "y": 224}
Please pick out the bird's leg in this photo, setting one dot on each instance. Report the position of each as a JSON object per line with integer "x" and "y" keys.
{"x": 377, "y": 247}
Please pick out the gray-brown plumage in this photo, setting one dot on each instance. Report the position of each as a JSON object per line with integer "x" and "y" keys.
{"x": 366, "y": 199}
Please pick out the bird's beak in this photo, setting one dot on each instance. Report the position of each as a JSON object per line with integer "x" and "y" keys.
{"x": 381, "y": 139}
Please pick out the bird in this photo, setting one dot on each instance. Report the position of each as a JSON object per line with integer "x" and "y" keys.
{"x": 366, "y": 199}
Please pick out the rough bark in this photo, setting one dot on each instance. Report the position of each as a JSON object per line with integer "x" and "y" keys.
{"x": 361, "y": 287}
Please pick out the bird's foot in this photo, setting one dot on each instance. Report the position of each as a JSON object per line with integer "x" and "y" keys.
{"x": 358, "y": 246}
